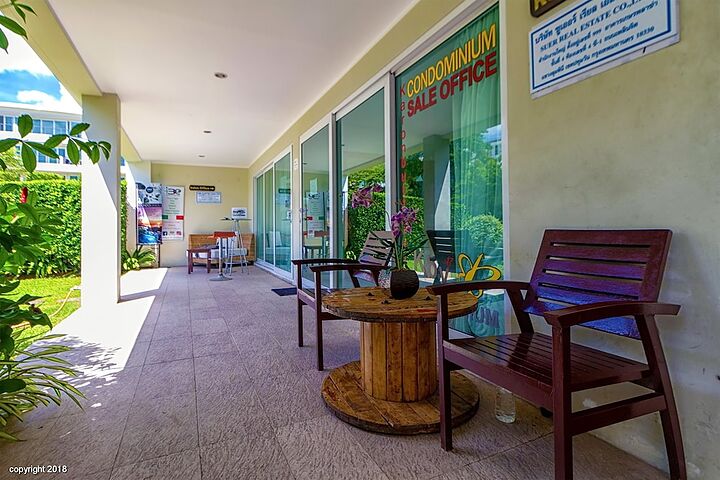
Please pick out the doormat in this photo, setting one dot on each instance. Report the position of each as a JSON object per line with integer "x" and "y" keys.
{"x": 284, "y": 292}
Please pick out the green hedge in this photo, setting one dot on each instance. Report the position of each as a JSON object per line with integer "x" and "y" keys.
{"x": 363, "y": 220}
{"x": 63, "y": 196}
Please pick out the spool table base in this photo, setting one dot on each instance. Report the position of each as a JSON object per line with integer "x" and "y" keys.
{"x": 343, "y": 393}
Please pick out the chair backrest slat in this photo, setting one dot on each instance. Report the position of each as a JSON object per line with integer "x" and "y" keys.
{"x": 378, "y": 248}
{"x": 444, "y": 244}
{"x": 578, "y": 267}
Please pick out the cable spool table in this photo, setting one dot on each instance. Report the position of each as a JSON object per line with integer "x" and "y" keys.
{"x": 393, "y": 387}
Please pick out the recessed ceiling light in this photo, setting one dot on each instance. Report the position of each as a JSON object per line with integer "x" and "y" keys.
{"x": 220, "y": 75}
{"x": 201, "y": 156}
{"x": 207, "y": 131}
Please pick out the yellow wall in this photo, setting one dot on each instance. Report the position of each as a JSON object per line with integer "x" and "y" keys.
{"x": 634, "y": 147}
{"x": 417, "y": 21}
{"x": 231, "y": 182}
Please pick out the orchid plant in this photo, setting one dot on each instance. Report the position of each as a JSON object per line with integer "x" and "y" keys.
{"x": 401, "y": 225}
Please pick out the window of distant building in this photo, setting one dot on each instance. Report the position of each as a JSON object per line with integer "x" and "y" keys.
{"x": 6, "y": 123}
{"x": 46, "y": 127}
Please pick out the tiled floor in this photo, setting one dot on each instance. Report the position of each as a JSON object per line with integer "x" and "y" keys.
{"x": 215, "y": 387}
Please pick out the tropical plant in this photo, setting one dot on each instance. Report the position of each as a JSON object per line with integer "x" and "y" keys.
{"x": 30, "y": 377}
{"x": 29, "y": 374}
{"x": 137, "y": 259}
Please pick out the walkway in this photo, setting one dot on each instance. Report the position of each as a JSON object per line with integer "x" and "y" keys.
{"x": 190, "y": 379}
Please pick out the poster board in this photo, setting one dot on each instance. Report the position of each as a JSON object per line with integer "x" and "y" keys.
{"x": 173, "y": 214}
{"x": 149, "y": 214}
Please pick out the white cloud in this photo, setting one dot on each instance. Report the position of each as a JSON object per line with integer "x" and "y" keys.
{"x": 21, "y": 57}
{"x": 44, "y": 101}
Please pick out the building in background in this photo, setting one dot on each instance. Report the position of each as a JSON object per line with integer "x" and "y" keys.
{"x": 46, "y": 124}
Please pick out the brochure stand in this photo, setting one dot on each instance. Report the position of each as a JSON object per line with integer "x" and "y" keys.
{"x": 223, "y": 239}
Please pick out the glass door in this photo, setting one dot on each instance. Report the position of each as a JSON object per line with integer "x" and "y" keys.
{"x": 282, "y": 237}
{"x": 316, "y": 225}
{"x": 360, "y": 163}
{"x": 273, "y": 194}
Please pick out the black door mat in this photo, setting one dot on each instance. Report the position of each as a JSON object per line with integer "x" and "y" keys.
{"x": 284, "y": 292}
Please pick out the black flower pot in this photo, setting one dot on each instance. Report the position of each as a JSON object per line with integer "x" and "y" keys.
{"x": 403, "y": 284}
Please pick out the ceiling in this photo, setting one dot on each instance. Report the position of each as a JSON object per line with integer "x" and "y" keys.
{"x": 159, "y": 56}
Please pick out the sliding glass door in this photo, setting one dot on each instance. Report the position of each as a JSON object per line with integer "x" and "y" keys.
{"x": 316, "y": 225}
{"x": 360, "y": 160}
{"x": 450, "y": 149}
{"x": 273, "y": 193}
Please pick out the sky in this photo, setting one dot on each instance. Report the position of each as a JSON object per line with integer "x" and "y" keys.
{"x": 25, "y": 80}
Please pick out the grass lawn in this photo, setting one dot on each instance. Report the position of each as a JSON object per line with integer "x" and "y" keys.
{"x": 54, "y": 289}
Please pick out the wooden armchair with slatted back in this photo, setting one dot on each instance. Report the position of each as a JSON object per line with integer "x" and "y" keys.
{"x": 608, "y": 280}
{"x": 374, "y": 257}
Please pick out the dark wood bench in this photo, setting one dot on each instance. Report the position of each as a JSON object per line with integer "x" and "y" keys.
{"x": 373, "y": 258}
{"x": 607, "y": 280}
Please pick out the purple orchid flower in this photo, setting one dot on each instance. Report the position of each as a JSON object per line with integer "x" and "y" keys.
{"x": 363, "y": 197}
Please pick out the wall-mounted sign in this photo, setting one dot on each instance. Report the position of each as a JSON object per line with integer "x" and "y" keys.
{"x": 595, "y": 35}
{"x": 149, "y": 214}
{"x": 202, "y": 188}
{"x": 540, "y": 7}
{"x": 208, "y": 197}
{"x": 239, "y": 213}
{"x": 173, "y": 213}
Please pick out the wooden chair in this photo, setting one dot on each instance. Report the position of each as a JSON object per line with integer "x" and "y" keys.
{"x": 594, "y": 279}
{"x": 444, "y": 246}
{"x": 374, "y": 257}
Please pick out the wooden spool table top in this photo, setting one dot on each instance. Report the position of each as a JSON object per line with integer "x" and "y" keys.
{"x": 374, "y": 304}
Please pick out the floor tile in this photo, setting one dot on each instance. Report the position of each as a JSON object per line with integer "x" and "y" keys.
{"x": 205, "y": 326}
{"x": 166, "y": 379}
{"x": 159, "y": 427}
{"x": 183, "y": 465}
{"x": 220, "y": 373}
{"x": 289, "y": 398}
{"x": 323, "y": 448}
{"x": 213, "y": 344}
{"x": 251, "y": 457}
{"x": 85, "y": 442}
{"x": 231, "y": 414}
{"x": 169, "y": 350}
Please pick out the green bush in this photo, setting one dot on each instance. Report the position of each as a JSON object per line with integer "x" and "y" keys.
{"x": 484, "y": 230}
{"x": 363, "y": 220}
{"x": 62, "y": 197}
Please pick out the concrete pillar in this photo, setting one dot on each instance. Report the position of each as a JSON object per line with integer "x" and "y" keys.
{"x": 100, "y": 284}
{"x": 436, "y": 182}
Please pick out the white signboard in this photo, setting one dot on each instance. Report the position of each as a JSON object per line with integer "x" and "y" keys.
{"x": 208, "y": 197}
{"x": 173, "y": 212}
{"x": 315, "y": 212}
{"x": 595, "y": 35}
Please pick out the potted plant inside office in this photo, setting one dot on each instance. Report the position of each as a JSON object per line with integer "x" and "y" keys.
{"x": 402, "y": 282}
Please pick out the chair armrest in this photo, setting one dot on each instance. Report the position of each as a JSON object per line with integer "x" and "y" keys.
{"x": 347, "y": 267}
{"x": 313, "y": 261}
{"x": 453, "y": 287}
{"x": 567, "y": 317}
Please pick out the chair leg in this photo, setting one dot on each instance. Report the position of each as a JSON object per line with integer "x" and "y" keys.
{"x": 319, "y": 335}
{"x": 300, "y": 322}
{"x": 673, "y": 441}
{"x": 669, "y": 417}
{"x": 562, "y": 404}
{"x": 563, "y": 448}
{"x": 445, "y": 405}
